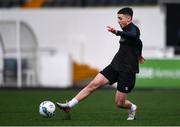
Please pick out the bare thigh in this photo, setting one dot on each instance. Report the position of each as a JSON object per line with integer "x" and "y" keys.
{"x": 99, "y": 81}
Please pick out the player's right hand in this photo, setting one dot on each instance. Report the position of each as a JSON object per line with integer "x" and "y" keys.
{"x": 141, "y": 60}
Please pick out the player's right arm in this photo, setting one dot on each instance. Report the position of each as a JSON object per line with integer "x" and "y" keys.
{"x": 141, "y": 60}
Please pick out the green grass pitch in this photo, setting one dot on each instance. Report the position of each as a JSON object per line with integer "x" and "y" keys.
{"x": 156, "y": 107}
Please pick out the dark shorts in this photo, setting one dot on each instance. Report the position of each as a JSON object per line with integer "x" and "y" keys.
{"x": 125, "y": 81}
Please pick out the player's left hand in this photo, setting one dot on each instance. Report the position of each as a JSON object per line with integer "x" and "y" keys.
{"x": 111, "y": 29}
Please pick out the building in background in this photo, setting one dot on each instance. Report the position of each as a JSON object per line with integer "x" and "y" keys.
{"x": 59, "y": 43}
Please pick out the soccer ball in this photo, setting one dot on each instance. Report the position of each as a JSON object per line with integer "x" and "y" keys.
{"x": 47, "y": 109}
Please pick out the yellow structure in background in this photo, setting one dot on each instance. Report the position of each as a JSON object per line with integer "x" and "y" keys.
{"x": 33, "y": 4}
{"x": 83, "y": 72}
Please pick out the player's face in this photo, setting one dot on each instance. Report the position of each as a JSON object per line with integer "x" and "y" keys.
{"x": 123, "y": 20}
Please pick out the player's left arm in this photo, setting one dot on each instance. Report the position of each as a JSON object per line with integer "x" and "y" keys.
{"x": 112, "y": 29}
{"x": 133, "y": 33}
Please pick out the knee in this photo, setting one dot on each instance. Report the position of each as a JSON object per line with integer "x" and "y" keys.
{"x": 120, "y": 103}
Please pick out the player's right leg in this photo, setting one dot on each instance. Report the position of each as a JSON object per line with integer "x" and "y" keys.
{"x": 132, "y": 112}
{"x": 99, "y": 81}
{"x": 122, "y": 102}
{"x": 126, "y": 83}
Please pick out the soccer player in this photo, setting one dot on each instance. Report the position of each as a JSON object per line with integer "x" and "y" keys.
{"x": 122, "y": 69}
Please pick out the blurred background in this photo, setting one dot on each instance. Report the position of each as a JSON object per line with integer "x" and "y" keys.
{"x": 64, "y": 43}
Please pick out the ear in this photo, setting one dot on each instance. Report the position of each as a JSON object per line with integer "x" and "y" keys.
{"x": 129, "y": 18}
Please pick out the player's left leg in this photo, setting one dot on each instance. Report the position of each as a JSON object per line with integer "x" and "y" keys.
{"x": 122, "y": 102}
{"x": 99, "y": 81}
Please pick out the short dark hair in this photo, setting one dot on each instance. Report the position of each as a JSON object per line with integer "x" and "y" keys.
{"x": 126, "y": 10}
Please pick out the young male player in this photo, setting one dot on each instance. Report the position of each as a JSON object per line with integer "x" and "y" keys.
{"x": 122, "y": 69}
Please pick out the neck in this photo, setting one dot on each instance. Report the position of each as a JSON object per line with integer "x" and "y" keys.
{"x": 126, "y": 25}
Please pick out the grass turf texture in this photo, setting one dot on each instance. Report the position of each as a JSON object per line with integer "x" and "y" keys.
{"x": 20, "y": 107}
